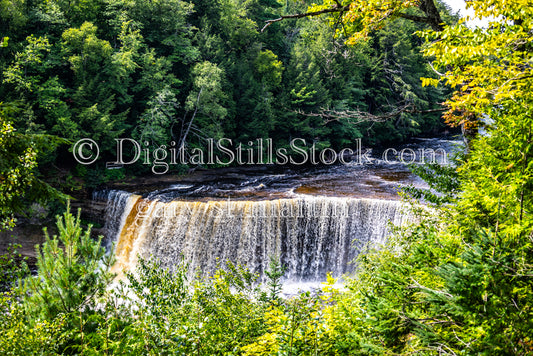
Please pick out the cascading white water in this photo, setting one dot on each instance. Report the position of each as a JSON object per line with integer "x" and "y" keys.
{"x": 312, "y": 235}
{"x": 118, "y": 205}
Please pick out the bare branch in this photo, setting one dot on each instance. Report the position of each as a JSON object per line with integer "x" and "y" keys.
{"x": 183, "y": 138}
{"x": 415, "y": 18}
{"x": 359, "y": 116}
{"x": 307, "y": 14}
{"x": 436, "y": 71}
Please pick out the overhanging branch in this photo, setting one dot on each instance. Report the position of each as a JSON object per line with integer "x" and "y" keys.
{"x": 415, "y": 18}
{"x": 428, "y": 7}
{"x": 307, "y": 14}
{"x": 358, "y": 116}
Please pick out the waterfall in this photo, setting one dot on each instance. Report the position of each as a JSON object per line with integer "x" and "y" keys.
{"x": 312, "y": 235}
{"x": 118, "y": 205}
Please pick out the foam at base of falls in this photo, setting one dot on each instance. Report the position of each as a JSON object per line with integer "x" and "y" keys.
{"x": 311, "y": 235}
{"x": 292, "y": 289}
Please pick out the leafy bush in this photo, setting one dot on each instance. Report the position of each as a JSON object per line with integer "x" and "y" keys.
{"x": 12, "y": 267}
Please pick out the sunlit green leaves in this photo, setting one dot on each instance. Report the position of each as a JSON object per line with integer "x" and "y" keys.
{"x": 17, "y": 164}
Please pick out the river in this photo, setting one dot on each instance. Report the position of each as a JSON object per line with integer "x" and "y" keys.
{"x": 315, "y": 220}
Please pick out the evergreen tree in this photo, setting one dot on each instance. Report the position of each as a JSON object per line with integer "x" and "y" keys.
{"x": 72, "y": 272}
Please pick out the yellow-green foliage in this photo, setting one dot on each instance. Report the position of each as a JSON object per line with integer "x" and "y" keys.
{"x": 17, "y": 163}
{"x": 297, "y": 326}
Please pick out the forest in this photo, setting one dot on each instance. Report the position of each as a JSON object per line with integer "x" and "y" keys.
{"x": 458, "y": 279}
{"x": 184, "y": 72}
